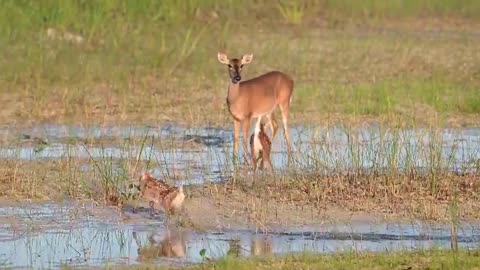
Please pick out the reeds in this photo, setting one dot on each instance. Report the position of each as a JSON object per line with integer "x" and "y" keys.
{"x": 413, "y": 171}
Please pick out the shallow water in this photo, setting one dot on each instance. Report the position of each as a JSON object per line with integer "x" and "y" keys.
{"x": 53, "y": 235}
{"x": 322, "y": 149}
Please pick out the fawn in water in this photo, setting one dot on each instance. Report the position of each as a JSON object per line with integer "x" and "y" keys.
{"x": 159, "y": 193}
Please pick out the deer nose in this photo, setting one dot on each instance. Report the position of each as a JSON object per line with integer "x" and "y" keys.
{"x": 238, "y": 78}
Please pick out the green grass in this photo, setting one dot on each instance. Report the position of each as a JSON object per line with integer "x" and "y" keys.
{"x": 418, "y": 260}
{"x": 156, "y": 60}
{"x": 403, "y": 8}
{"x": 433, "y": 259}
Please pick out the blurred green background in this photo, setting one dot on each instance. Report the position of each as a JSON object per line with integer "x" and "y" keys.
{"x": 413, "y": 61}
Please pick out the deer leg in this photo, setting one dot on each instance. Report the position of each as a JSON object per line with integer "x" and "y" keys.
{"x": 285, "y": 110}
{"x": 253, "y": 157}
{"x": 152, "y": 209}
{"x": 273, "y": 125}
{"x": 254, "y": 163}
{"x": 269, "y": 163}
{"x": 236, "y": 134}
{"x": 246, "y": 129}
{"x": 270, "y": 166}
{"x": 266, "y": 157}
{"x": 261, "y": 159}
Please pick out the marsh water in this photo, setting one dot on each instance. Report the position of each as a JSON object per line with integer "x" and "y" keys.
{"x": 50, "y": 235}
{"x": 53, "y": 235}
{"x": 204, "y": 154}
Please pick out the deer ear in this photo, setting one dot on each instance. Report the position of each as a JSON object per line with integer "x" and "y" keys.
{"x": 223, "y": 58}
{"x": 247, "y": 58}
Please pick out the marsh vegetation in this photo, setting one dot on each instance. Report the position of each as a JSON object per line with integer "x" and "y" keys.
{"x": 384, "y": 117}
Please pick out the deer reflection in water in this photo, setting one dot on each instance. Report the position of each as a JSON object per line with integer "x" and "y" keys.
{"x": 165, "y": 243}
{"x": 261, "y": 246}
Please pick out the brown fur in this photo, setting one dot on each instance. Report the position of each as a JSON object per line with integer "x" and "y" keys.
{"x": 256, "y": 97}
{"x": 160, "y": 193}
{"x": 262, "y": 154}
{"x": 173, "y": 245}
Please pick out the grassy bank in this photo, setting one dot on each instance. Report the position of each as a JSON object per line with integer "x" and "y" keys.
{"x": 407, "y": 260}
{"x": 415, "y": 62}
{"x": 432, "y": 259}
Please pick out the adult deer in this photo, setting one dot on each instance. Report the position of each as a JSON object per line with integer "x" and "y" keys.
{"x": 257, "y": 97}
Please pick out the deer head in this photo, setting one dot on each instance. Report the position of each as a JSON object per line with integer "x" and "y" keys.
{"x": 235, "y": 65}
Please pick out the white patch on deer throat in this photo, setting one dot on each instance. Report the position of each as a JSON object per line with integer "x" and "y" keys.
{"x": 178, "y": 200}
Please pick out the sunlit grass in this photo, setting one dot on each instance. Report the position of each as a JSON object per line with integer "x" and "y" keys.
{"x": 155, "y": 60}
{"x": 415, "y": 260}
{"x": 424, "y": 259}
{"x": 409, "y": 260}
{"x": 403, "y": 8}
{"x": 411, "y": 173}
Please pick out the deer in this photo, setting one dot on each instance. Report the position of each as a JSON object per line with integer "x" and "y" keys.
{"x": 255, "y": 98}
{"x": 261, "y": 246}
{"x": 160, "y": 193}
{"x": 260, "y": 146}
{"x": 161, "y": 244}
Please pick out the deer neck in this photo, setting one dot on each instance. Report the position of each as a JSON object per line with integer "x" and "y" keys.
{"x": 233, "y": 92}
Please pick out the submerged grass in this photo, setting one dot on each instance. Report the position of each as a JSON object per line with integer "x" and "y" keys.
{"x": 112, "y": 61}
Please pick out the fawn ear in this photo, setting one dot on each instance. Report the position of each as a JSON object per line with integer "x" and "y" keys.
{"x": 247, "y": 58}
{"x": 223, "y": 58}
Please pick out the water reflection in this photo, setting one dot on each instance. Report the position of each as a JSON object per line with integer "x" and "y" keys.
{"x": 53, "y": 235}
{"x": 261, "y": 246}
{"x": 161, "y": 243}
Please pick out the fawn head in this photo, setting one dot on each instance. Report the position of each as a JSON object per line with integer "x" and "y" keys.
{"x": 235, "y": 65}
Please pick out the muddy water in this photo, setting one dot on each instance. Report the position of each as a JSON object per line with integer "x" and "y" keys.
{"x": 55, "y": 235}
{"x": 209, "y": 159}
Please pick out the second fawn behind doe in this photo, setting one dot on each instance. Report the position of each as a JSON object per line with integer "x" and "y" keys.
{"x": 260, "y": 147}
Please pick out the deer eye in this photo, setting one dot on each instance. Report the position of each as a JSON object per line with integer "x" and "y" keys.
{"x": 241, "y": 66}
{"x": 230, "y": 66}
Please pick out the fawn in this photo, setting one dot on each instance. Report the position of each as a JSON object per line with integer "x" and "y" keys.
{"x": 160, "y": 193}
{"x": 260, "y": 146}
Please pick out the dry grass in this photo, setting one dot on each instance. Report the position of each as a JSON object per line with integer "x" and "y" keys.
{"x": 393, "y": 195}
{"x": 308, "y": 199}
{"x": 397, "y": 194}
{"x": 405, "y": 68}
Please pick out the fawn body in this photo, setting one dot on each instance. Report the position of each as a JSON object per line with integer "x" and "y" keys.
{"x": 160, "y": 193}
{"x": 260, "y": 147}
